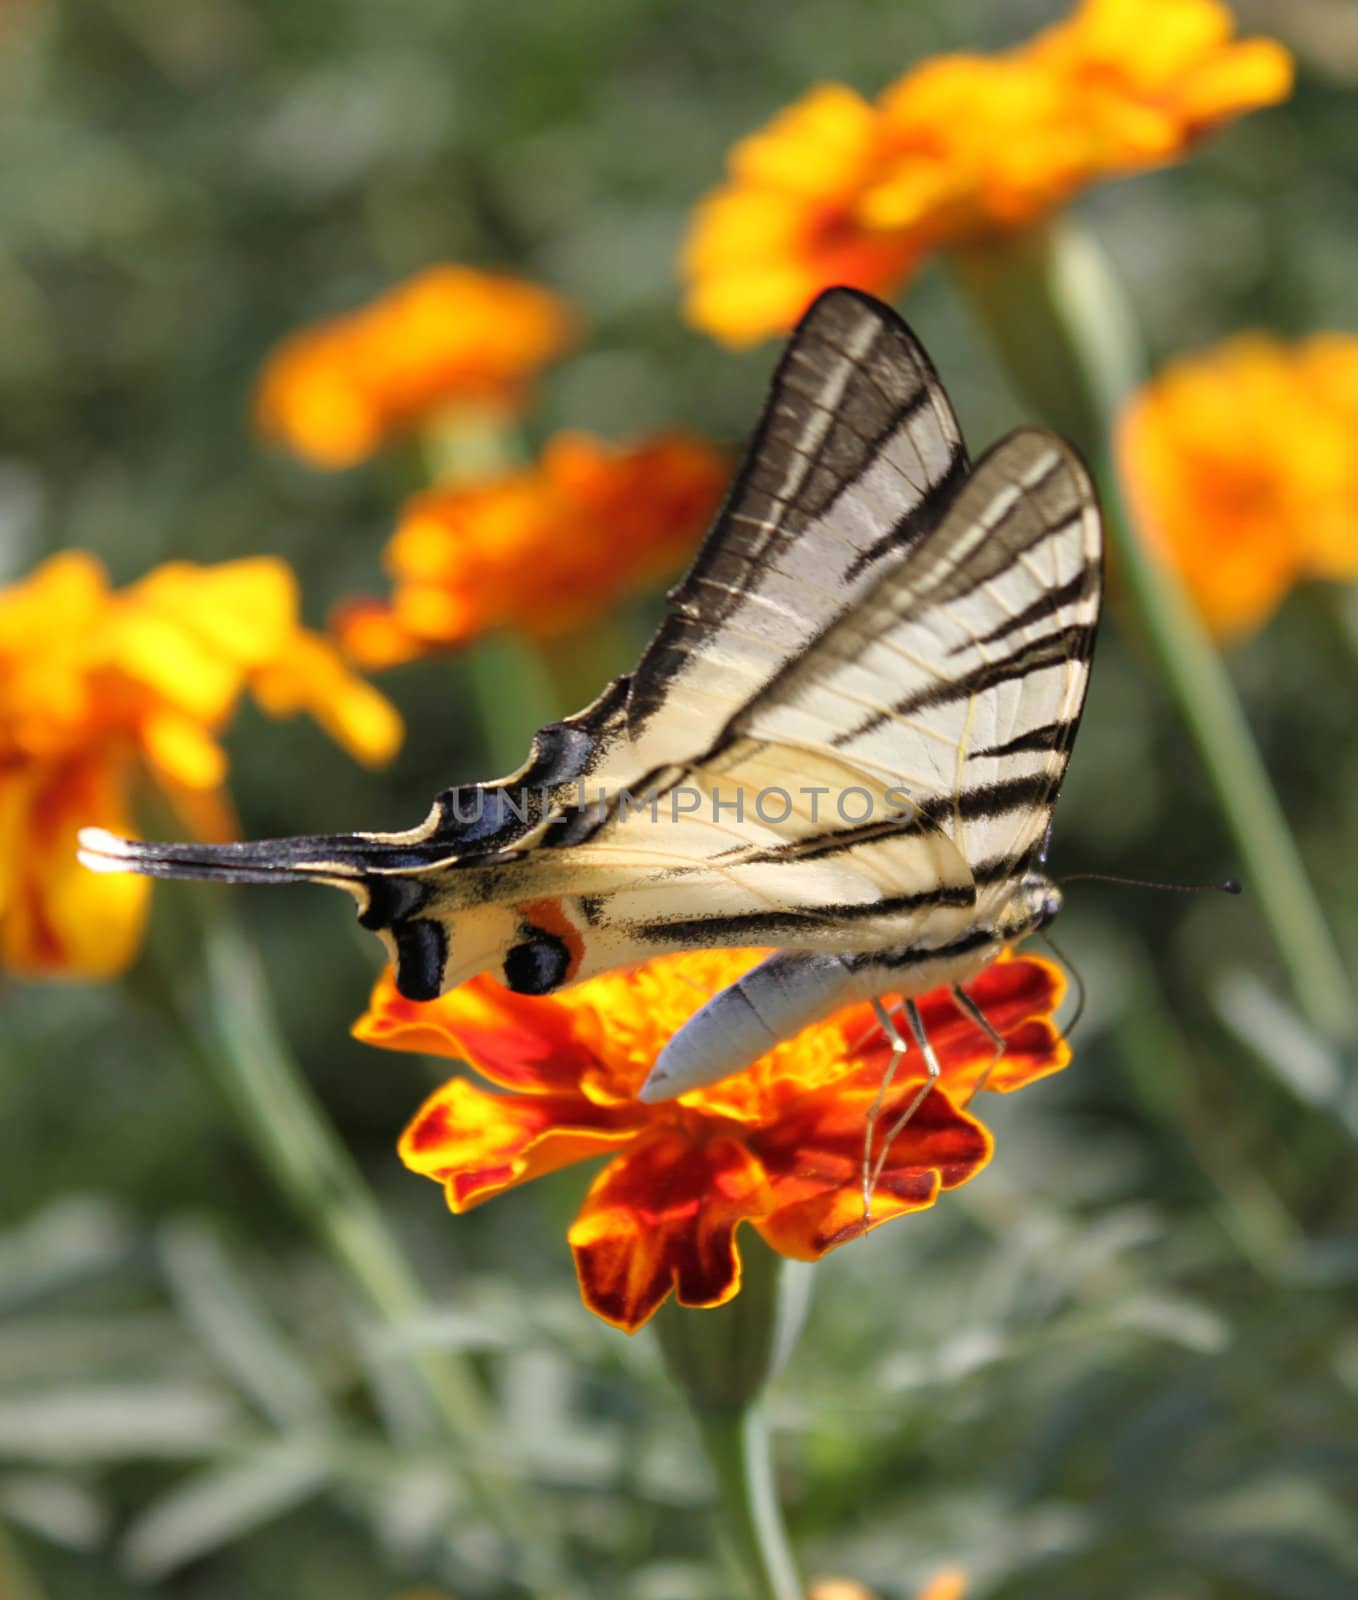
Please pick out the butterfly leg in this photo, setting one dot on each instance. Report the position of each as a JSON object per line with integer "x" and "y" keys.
{"x": 872, "y": 1170}
{"x": 983, "y": 1022}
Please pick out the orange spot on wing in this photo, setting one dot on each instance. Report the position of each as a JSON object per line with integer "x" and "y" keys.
{"x": 550, "y": 916}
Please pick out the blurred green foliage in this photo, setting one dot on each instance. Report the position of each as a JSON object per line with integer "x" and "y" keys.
{"x": 1123, "y": 1361}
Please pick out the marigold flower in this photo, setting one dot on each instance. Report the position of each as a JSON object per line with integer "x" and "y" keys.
{"x": 542, "y": 549}
{"x": 779, "y": 1147}
{"x": 450, "y": 336}
{"x": 838, "y": 190}
{"x": 950, "y": 1584}
{"x": 1242, "y": 466}
{"x": 100, "y": 690}
{"x": 788, "y": 222}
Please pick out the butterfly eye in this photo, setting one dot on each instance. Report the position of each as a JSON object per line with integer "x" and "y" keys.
{"x": 537, "y": 964}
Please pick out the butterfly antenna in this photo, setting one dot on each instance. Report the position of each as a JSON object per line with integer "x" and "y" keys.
{"x": 1226, "y": 886}
{"x": 1081, "y": 991}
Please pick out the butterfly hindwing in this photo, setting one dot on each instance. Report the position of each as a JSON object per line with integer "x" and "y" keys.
{"x": 866, "y": 614}
{"x": 945, "y": 702}
{"x": 960, "y": 677}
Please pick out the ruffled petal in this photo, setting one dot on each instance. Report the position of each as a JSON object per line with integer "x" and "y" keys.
{"x": 1016, "y": 994}
{"x": 309, "y": 674}
{"x": 814, "y": 1158}
{"x": 662, "y": 1218}
{"x": 478, "y": 1144}
{"x": 515, "y": 1041}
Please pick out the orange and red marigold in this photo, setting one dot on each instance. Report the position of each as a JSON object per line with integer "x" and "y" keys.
{"x": 449, "y": 337}
{"x": 779, "y": 1147}
{"x": 838, "y": 189}
{"x": 1242, "y": 465}
{"x": 544, "y": 548}
{"x": 102, "y": 691}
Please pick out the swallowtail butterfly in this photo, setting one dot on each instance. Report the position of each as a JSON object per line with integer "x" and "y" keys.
{"x": 865, "y": 694}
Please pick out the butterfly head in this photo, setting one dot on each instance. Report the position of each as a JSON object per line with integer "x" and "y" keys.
{"x": 1035, "y": 903}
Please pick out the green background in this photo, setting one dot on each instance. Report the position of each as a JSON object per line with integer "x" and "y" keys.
{"x": 1123, "y": 1361}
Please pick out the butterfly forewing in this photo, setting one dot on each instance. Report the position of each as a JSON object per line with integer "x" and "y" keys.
{"x": 866, "y": 615}
{"x": 855, "y": 456}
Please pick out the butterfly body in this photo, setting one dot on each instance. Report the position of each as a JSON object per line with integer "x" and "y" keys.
{"x": 845, "y": 740}
{"x": 792, "y": 989}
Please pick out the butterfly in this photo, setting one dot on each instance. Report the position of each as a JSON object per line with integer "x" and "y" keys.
{"x": 845, "y": 739}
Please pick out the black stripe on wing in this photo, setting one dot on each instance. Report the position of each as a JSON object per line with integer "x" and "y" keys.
{"x": 851, "y": 382}
{"x": 1078, "y": 588}
{"x": 1073, "y": 643}
{"x": 754, "y": 927}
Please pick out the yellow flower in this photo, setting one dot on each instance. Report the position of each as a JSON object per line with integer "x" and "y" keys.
{"x": 450, "y": 336}
{"x": 1242, "y": 465}
{"x": 838, "y": 190}
{"x": 542, "y": 549}
{"x": 101, "y": 690}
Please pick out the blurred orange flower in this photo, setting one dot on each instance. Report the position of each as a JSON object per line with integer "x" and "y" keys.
{"x": 450, "y": 336}
{"x": 1242, "y": 465}
{"x": 838, "y": 190}
{"x": 543, "y": 548}
{"x": 100, "y": 689}
{"x": 950, "y": 1584}
{"x": 779, "y": 1146}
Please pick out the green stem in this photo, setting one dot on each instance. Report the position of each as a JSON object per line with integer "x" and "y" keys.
{"x": 737, "y": 1444}
{"x": 722, "y": 1358}
{"x": 1060, "y": 322}
{"x": 18, "y": 1581}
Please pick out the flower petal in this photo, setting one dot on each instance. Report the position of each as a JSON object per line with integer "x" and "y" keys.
{"x": 541, "y": 548}
{"x": 662, "y": 1218}
{"x": 1016, "y": 995}
{"x": 836, "y": 190}
{"x": 335, "y": 392}
{"x": 814, "y": 1158}
{"x": 309, "y": 674}
{"x": 478, "y": 1144}
{"x": 56, "y": 919}
{"x": 516, "y": 1041}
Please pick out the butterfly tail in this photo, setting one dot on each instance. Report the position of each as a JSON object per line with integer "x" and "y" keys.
{"x": 315, "y": 858}
{"x": 439, "y": 927}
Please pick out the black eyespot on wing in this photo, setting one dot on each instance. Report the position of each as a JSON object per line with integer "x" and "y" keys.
{"x": 391, "y": 900}
{"x": 421, "y": 955}
{"x": 537, "y": 964}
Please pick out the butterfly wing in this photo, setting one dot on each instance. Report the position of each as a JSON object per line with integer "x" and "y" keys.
{"x": 855, "y": 457}
{"x": 961, "y": 677}
{"x": 945, "y": 703}
{"x": 802, "y": 654}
